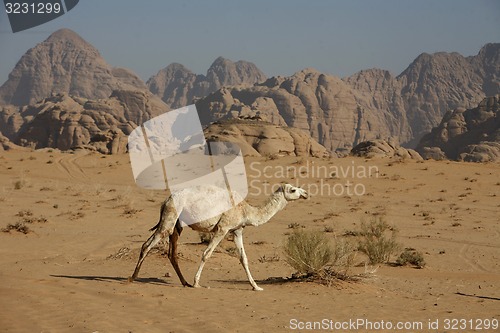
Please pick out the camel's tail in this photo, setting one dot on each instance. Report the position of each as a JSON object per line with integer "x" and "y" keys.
{"x": 178, "y": 226}
{"x": 163, "y": 207}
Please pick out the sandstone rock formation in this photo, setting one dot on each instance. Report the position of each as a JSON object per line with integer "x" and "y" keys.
{"x": 468, "y": 135}
{"x": 382, "y": 148}
{"x": 177, "y": 86}
{"x": 334, "y": 114}
{"x": 368, "y": 105}
{"x": 257, "y": 138}
{"x": 64, "y": 63}
{"x": 65, "y": 122}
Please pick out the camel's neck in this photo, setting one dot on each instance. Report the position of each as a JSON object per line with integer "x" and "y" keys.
{"x": 262, "y": 214}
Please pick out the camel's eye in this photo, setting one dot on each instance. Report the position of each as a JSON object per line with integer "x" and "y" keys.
{"x": 293, "y": 190}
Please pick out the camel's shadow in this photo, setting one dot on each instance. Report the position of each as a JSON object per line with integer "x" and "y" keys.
{"x": 268, "y": 281}
{"x": 113, "y": 279}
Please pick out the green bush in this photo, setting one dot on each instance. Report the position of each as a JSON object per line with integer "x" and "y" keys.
{"x": 378, "y": 240}
{"x": 309, "y": 252}
{"x": 411, "y": 257}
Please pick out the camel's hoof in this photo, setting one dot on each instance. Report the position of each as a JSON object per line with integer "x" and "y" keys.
{"x": 130, "y": 279}
{"x": 196, "y": 285}
{"x": 257, "y": 289}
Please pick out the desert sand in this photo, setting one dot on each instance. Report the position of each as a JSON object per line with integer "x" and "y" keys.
{"x": 89, "y": 219}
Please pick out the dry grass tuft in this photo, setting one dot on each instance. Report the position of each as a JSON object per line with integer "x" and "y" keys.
{"x": 309, "y": 252}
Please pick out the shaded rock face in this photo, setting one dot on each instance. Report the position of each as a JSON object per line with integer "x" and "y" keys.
{"x": 256, "y": 138}
{"x": 434, "y": 84}
{"x": 382, "y": 148}
{"x": 469, "y": 135}
{"x": 177, "y": 86}
{"x": 5, "y": 144}
{"x": 66, "y": 122}
{"x": 64, "y": 63}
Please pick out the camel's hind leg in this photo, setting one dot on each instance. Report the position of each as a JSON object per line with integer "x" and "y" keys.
{"x": 172, "y": 255}
{"x": 146, "y": 247}
{"x": 164, "y": 227}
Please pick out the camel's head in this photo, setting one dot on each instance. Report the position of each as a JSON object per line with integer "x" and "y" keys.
{"x": 293, "y": 193}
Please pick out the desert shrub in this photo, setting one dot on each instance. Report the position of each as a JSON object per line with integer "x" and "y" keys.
{"x": 19, "y": 227}
{"x": 343, "y": 253}
{"x": 328, "y": 229}
{"x": 24, "y": 212}
{"x": 272, "y": 258}
{"x": 271, "y": 157}
{"x": 205, "y": 237}
{"x": 378, "y": 240}
{"x": 232, "y": 251}
{"x": 309, "y": 252}
{"x": 412, "y": 257}
{"x": 19, "y": 184}
{"x": 295, "y": 225}
{"x": 32, "y": 219}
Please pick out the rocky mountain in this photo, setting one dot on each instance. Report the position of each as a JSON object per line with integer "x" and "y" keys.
{"x": 65, "y": 122}
{"x": 337, "y": 113}
{"x": 371, "y": 104}
{"x": 177, "y": 86}
{"x": 326, "y": 107}
{"x": 434, "y": 84}
{"x": 258, "y": 138}
{"x": 468, "y": 135}
{"x": 64, "y": 63}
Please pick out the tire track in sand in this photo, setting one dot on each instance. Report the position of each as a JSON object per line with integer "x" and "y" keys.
{"x": 68, "y": 164}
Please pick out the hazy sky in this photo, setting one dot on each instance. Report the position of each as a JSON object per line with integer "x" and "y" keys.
{"x": 280, "y": 37}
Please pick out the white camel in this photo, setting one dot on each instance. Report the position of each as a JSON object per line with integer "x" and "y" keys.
{"x": 234, "y": 220}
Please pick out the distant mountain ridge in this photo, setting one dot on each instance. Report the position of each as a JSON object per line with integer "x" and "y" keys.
{"x": 177, "y": 86}
{"x": 339, "y": 113}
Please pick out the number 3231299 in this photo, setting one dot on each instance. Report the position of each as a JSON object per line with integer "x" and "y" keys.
{"x": 32, "y": 8}
{"x": 471, "y": 324}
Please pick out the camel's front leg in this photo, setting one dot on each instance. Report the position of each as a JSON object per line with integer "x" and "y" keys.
{"x": 216, "y": 239}
{"x": 238, "y": 241}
